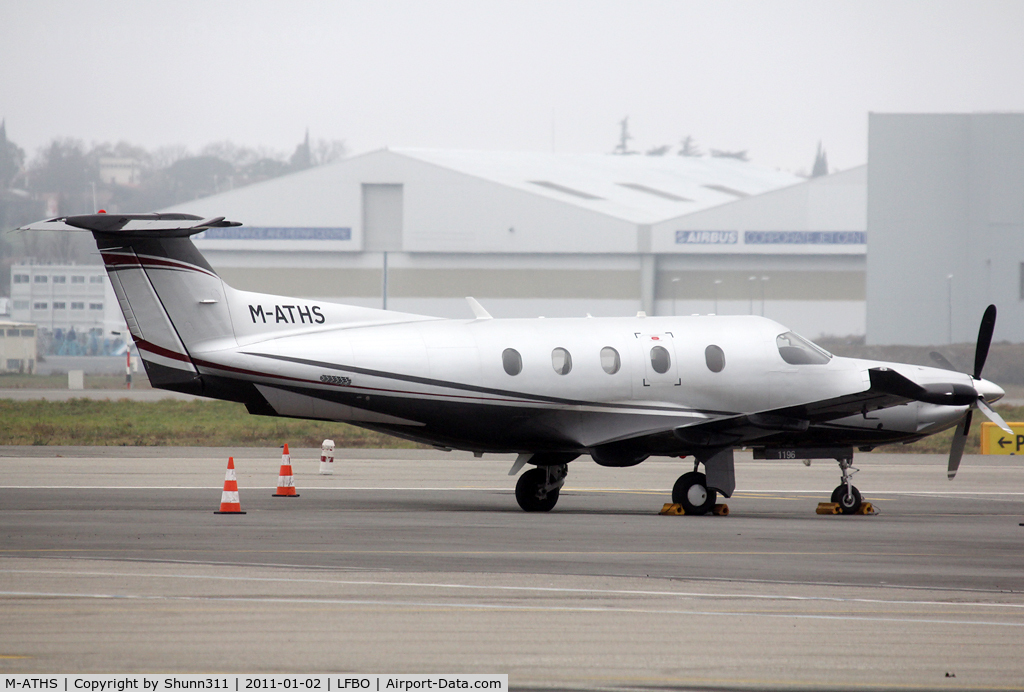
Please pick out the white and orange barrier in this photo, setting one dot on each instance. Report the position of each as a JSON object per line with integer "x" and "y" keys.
{"x": 229, "y": 502}
{"x": 286, "y": 479}
{"x": 327, "y": 458}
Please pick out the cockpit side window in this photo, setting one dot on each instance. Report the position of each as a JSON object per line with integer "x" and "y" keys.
{"x": 797, "y": 350}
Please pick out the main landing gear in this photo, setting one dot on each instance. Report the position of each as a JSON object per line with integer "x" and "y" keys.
{"x": 697, "y": 492}
{"x": 692, "y": 492}
{"x": 537, "y": 489}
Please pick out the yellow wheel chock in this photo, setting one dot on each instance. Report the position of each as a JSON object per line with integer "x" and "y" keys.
{"x": 833, "y": 508}
{"x": 674, "y": 510}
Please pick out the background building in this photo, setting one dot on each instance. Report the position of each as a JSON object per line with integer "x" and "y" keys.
{"x": 533, "y": 234}
{"x": 73, "y": 306}
{"x": 17, "y": 347}
{"x": 945, "y": 226}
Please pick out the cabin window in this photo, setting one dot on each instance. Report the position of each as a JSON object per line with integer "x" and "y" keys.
{"x": 512, "y": 361}
{"x": 661, "y": 361}
{"x": 797, "y": 350}
{"x": 714, "y": 356}
{"x": 561, "y": 361}
{"x": 610, "y": 361}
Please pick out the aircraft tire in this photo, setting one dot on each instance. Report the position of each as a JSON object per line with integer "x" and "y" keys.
{"x": 529, "y": 488}
{"x": 692, "y": 492}
{"x": 839, "y": 497}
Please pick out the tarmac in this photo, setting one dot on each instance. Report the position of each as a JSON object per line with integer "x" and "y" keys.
{"x": 412, "y": 561}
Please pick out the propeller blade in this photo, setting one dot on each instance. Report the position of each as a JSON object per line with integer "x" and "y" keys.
{"x": 942, "y": 361}
{"x": 993, "y": 416}
{"x": 956, "y": 450}
{"x": 988, "y": 325}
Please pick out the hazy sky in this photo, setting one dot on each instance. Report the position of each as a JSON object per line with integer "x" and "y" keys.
{"x": 770, "y": 77}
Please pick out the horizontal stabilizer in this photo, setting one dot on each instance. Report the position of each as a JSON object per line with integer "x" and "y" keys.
{"x": 133, "y": 225}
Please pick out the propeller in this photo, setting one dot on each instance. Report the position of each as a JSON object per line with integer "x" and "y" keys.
{"x": 956, "y": 450}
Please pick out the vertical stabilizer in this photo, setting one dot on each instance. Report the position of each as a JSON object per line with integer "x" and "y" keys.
{"x": 173, "y": 302}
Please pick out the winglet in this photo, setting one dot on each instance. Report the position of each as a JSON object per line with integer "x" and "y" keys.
{"x": 478, "y": 310}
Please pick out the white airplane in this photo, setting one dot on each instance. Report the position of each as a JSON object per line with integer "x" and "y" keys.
{"x": 618, "y": 389}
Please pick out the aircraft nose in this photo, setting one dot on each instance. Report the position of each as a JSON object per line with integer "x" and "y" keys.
{"x": 990, "y": 390}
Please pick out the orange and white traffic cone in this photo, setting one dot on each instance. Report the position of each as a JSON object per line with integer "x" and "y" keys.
{"x": 285, "y": 479}
{"x": 229, "y": 503}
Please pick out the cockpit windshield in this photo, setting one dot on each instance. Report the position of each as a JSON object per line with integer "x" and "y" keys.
{"x": 797, "y": 350}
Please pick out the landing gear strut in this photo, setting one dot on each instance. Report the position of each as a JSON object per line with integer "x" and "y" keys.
{"x": 537, "y": 489}
{"x": 845, "y": 494}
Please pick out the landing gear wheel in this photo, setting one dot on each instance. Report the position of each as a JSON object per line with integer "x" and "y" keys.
{"x": 849, "y": 504}
{"x": 530, "y": 493}
{"x": 692, "y": 492}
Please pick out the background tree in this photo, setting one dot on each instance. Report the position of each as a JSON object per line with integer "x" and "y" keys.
{"x": 303, "y": 156}
{"x": 688, "y": 147}
{"x": 328, "y": 151}
{"x": 622, "y": 148}
{"x": 820, "y": 162}
{"x": 63, "y": 169}
{"x": 66, "y": 177}
{"x": 12, "y": 158}
{"x": 738, "y": 155}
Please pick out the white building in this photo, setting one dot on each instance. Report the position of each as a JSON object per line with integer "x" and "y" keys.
{"x": 120, "y": 171}
{"x": 64, "y": 296}
{"x": 946, "y": 226}
{"x": 532, "y": 234}
{"x": 17, "y": 347}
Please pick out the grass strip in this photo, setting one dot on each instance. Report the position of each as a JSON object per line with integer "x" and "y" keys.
{"x": 202, "y": 423}
{"x": 170, "y": 423}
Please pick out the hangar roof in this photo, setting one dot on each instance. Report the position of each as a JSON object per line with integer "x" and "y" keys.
{"x": 640, "y": 189}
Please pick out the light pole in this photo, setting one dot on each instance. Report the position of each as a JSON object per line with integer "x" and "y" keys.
{"x": 717, "y": 283}
{"x": 764, "y": 280}
{"x": 675, "y": 285}
{"x": 750, "y": 283}
{"x": 949, "y": 305}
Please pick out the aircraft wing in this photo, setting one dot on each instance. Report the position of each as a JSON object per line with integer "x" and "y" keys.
{"x": 888, "y": 388}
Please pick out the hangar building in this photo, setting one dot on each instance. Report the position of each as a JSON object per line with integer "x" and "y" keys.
{"x": 946, "y": 226}
{"x": 532, "y": 234}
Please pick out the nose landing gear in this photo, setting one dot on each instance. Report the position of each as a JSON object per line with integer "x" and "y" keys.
{"x": 845, "y": 494}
